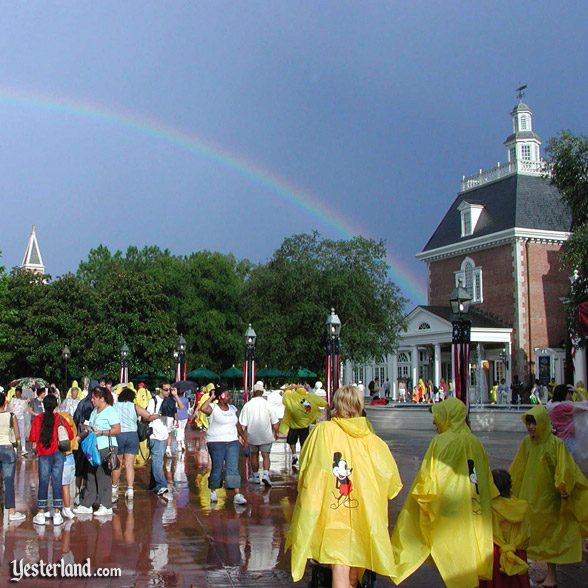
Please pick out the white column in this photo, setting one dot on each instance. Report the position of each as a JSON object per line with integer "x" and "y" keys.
{"x": 348, "y": 372}
{"x": 580, "y": 366}
{"x": 393, "y": 375}
{"x": 415, "y": 367}
{"x": 437, "y": 363}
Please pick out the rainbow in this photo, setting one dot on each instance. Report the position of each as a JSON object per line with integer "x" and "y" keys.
{"x": 410, "y": 284}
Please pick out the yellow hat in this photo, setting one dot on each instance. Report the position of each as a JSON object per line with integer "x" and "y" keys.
{"x": 210, "y": 387}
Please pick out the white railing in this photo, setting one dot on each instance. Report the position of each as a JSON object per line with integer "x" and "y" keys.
{"x": 500, "y": 171}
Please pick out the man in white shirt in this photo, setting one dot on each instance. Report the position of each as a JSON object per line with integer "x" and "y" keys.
{"x": 260, "y": 425}
{"x": 160, "y": 429}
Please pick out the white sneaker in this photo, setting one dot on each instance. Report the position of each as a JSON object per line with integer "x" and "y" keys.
{"x": 266, "y": 479}
{"x": 80, "y": 510}
{"x": 57, "y": 519}
{"x": 67, "y": 513}
{"x": 239, "y": 499}
{"x": 39, "y": 519}
{"x": 213, "y": 496}
{"x": 254, "y": 478}
{"x": 17, "y": 516}
{"x": 24, "y": 452}
{"x": 103, "y": 511}
{"x": 130, "y": 493}
{"x": 114, "y": 493}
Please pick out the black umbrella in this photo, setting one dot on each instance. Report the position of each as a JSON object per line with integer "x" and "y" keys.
{"x": 184, "y": 386}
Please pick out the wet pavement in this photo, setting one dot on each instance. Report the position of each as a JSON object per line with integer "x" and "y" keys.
{"x": 184, "y": 540}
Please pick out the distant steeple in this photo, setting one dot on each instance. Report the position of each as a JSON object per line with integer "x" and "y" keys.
{"x": 32, "y": 259}
{"x": 523, "y": 144}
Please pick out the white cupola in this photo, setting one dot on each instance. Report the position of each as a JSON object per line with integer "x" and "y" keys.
{"x": 523, "y": 144}
{"x": 32, "y": 259}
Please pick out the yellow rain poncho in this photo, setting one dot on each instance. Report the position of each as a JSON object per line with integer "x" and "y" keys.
{"x": 201, "y": 420}
{"x": 541, "y": 471}
{"x": 347, "y": 475}
{"x": 447, "y": 514}
{"x": 74, "y": 384}
{"x": 142, "y": 397}
{"x": 301, "y": 409}
{"x": 511, "y": 529}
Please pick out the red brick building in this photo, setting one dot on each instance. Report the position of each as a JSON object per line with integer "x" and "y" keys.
{"x": 501, "y": 239}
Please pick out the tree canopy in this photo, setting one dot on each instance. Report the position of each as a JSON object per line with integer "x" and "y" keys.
{"x": 288, "y": 299}
{"x": 568, "y": 164}
{"x": 147, "y": 297}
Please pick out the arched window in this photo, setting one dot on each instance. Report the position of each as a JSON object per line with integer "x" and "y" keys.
{"x": 470, "y": 277}
{"x": 424, "y": 326}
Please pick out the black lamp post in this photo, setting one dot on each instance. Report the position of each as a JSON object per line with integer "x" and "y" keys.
{"x": 124, "y": 364}
{"x": 460, "y": 301}
{"x": 66, "y": 355}
{"x": 180, "y": 356}
{"x": 333, "y": 327}
{"x": 249, "y": 363}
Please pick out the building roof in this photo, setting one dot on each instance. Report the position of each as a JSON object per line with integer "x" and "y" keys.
{"x": 516, "y": 201}
{"x": 478, "y": 319}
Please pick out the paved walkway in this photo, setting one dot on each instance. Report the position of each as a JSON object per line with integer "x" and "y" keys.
{"x": 186, "y": 541}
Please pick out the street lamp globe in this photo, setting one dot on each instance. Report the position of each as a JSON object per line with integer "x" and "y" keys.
{"x": 250, "y": 336}
{"x": 333, "y": 324}
{"x": 181, "y": 344}
{"x": 65, "y": 353}
{"x": 460, "y": 300}
{"x": 124, "y": 351}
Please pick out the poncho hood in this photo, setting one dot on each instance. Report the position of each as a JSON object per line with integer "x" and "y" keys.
{"x": 356, "y": 427}
{"x": 450, "y": 415}
{"x": 543, "y": 423}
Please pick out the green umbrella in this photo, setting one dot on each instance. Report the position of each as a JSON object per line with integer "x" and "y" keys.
{"x": 304, "y": 373}
{"x": 269, "y": 373}
{"x": 232, "y": 373}
{"x": 202, "y": 373}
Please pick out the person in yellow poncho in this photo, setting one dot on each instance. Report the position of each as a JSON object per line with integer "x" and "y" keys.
{"x": 142, "y": 398}
{"x": 448, "y": 514}
{"x": 545, "y": 474}
{"x": 201, "y": 420}
{"x": 510, "y": 526}
{"x": 301, "y": 410}
{"x": 347, "y": 475}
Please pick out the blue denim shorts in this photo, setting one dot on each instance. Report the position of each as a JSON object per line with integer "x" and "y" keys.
{"x": 69, "y": 470}
{"x": 128, "y": 443}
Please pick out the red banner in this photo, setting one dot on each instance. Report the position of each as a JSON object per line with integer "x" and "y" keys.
{"x": 583, "y": 319}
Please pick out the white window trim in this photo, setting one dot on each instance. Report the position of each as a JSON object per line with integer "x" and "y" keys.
{"x": 474, "y": 211}
{"x": 460, "y": 276}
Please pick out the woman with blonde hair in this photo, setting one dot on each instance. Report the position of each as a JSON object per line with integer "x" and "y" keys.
{"x": 347, "y": 475}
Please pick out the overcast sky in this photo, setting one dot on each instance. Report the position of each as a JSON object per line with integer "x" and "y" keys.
{"x": 228, "y": 126}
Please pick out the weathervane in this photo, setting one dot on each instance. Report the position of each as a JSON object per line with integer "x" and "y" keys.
{"x": 521, "y": 94}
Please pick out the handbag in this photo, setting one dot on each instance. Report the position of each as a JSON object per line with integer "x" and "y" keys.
{"x": 111, "y": 461}
{"x": 90, "y": 448}
{"x": 63, "y": 441}
{"x": 12, "y": 433}
{"x": 143, "y": 430}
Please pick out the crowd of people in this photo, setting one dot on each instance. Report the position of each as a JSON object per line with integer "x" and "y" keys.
{"x": 476, "y": 525}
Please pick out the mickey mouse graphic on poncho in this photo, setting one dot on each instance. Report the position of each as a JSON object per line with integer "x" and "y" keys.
{"x": 306, "y": 405}
{"x": 341, "y": 471}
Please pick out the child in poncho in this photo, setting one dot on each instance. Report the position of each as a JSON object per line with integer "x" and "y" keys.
{"x": 510, "y": 527}
{"x": 545, "y": 474}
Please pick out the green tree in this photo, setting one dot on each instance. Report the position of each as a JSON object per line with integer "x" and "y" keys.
{"x": 287, "y": 301}
{"x": 568, "y": 164}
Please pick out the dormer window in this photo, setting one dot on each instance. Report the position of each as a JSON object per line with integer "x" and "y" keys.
{"x": 470, "y": 277}
{"x": 523, "y": 123}
{"x": 470, "y": 215}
